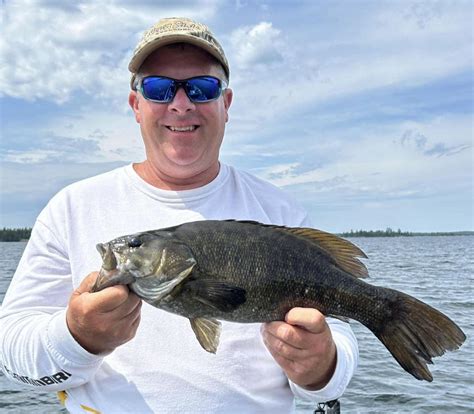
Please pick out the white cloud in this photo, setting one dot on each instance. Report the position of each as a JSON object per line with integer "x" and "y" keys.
{"x": 51, "y": 49}
{"x": 385, "y": 161}
{"x": 323, "y": 107}
{"x": 117, "y": 135}
{"x": 28, "y": 185}
{"x": 53, "y": 148}
{"x": 256, "y": 45}
{"x": 98, "y": 137}
{"x": 394, "y": 46}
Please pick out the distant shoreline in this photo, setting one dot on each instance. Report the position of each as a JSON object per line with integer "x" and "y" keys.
{"x": 23, "y": 234}
{"x": 384, "y": 233}
{"x": 15, "y": 235}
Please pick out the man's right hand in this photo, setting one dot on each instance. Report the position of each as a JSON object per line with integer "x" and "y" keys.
{"x": 102, "y": 321}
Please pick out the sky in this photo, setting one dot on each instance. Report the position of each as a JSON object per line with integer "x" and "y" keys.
{"x": 361, "y": 110}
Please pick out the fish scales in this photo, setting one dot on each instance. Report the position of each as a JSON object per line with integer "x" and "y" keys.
{"x": 263, "y": 264}
{"x": 247, "y": 272}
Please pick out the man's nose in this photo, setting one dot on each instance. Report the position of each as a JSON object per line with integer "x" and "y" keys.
{"x": 181, "y": 102}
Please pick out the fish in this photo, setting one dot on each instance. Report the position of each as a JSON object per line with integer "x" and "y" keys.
{"x": 248, "y": 272}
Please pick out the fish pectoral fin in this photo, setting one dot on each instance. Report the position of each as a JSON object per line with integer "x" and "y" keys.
{"x": 216, "y": 294}
{"x": 207, "y": 332}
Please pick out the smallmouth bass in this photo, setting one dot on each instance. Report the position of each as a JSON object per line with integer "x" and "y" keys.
{"x": 244, "y": 271}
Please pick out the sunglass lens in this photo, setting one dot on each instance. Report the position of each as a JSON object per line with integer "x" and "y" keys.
{"x": 203, "y": 89}
{"x": 158, "y": 89}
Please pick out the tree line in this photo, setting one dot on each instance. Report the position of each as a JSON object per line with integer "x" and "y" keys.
{"x": 9, "y": 235}
{"x": 388, "y": 232}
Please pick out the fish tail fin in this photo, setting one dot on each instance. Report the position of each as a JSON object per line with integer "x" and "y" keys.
{"x": 416, "y": 332}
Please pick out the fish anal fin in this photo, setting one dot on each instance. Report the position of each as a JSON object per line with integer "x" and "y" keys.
{"x": 207, "y": 332}
{"x": 216, "y": 294}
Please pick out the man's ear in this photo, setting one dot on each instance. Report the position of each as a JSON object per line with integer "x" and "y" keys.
{"x": 228, "y": 95}
{"x": 133, "y": 101}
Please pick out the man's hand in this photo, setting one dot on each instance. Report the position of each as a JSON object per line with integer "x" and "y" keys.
{"x": 303, "y": 347}
{"x": 102, "y": 321}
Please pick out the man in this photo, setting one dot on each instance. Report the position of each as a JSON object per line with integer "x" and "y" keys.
{"x": 107, "y": 350}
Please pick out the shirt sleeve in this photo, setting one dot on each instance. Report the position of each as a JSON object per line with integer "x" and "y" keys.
{"x": 347, "y": 360}
{"x": 36, "y": 347}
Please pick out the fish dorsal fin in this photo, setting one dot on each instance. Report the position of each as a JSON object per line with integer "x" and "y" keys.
{"x": 343, "y": 252}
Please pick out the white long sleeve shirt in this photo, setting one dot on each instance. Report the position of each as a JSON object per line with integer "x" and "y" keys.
{"x": 163, "y": 369}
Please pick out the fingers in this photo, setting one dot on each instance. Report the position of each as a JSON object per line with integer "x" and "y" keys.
{"x": 136, "y": 317}
{"x": 86, "y": 284}
{"x": 121, "y": 330}
{"x": 294, "y": 333}
{"x": 292, "y": 336}
{"x": 108, "y": 299}
{"x": 103, "y": 320}
{"x": 132, "y": 308}
{"x": 113, "y": 298}
{"x": 310, "y": 319}
{"x": 279, "y": 338}
{"x": 302, "y": 346}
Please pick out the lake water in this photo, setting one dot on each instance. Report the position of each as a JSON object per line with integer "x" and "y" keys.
{"x": 438, "y": 270}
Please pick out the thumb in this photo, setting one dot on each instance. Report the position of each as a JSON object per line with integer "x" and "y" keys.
{"x": 308, "y": 318}
{"x": 86, "y": 284}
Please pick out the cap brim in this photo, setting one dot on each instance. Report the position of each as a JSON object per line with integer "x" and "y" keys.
{"x": 138, "y": 59}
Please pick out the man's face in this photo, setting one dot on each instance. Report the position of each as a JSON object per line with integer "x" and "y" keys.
{"x": 182, "y": 139}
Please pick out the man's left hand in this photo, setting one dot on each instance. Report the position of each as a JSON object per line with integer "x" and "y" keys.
{"x": 303, "y": 347}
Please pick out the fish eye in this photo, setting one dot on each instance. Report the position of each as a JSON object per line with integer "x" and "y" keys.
{"x": 134, "y": 242}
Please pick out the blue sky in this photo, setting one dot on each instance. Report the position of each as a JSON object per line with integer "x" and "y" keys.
{"x": 362, "y": 110}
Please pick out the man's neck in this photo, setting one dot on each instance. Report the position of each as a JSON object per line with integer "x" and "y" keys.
{"x": 159, "y": 179}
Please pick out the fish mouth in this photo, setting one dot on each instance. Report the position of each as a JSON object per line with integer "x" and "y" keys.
{"x": 109, "y": 260}
{"x": 110, "y": 274}
{"x": 104, "y": 280}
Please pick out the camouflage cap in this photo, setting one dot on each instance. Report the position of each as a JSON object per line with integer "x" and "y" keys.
{"x": 176, "y": 30}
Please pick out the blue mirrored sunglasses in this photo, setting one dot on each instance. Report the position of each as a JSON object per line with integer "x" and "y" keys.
{"x": 198, "y": 89}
